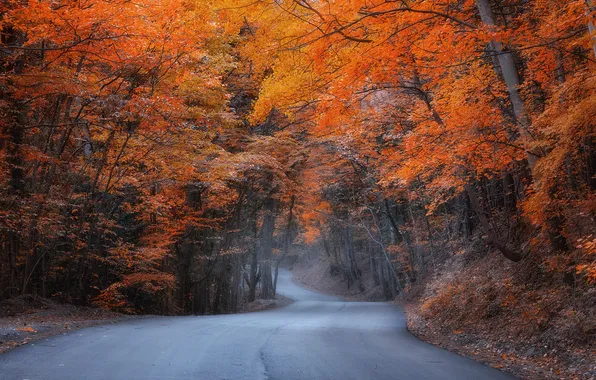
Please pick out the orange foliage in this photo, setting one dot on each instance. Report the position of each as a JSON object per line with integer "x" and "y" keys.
{"x": 115, "y": 111}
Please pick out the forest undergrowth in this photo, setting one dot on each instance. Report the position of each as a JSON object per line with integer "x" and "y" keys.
{"x": 523, "y": 319}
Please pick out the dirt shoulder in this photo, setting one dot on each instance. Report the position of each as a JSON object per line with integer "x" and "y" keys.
{"x": 26, "y": 319}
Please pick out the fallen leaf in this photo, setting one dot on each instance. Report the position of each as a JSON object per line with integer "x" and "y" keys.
{"x": 27, "y": 329}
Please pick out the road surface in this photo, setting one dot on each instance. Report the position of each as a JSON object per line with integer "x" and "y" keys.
{"x": 318, "y": 337}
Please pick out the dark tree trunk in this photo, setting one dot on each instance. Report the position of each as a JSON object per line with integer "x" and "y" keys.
{"x": 483, "y": 219}
{"x": 266, "y": 249}
{"x": 286, "y": 244}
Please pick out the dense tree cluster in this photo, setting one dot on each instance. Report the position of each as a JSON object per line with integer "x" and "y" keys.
{"x": 443, "y": 119}
{"x": 129, "y": 178}
{"x": 165, "y": 156}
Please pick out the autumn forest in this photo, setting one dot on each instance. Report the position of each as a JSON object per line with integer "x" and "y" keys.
{"x": 168, "y": 156}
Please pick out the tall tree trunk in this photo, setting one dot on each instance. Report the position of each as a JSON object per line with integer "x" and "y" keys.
{"x": 253, "y": 278}
{"x": 398, "y": 236}
{"x": 236, "y": 284}
{"x": 510, "y": 75}
{"x": 483, "y": 219}
{"x": 266, "y": 249}
{"x": 373, "y": 263}
{"x": 353, "y": 271}
{"x": 286, "y": 244}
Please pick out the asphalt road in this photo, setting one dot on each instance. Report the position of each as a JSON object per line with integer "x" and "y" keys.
{"x": 318, "y": 337}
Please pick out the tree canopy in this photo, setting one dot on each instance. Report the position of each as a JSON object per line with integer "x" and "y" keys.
{"x": 166, "y": 155}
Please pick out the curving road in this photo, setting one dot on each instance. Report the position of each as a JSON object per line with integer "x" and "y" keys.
{"x": 318, "y": 337}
